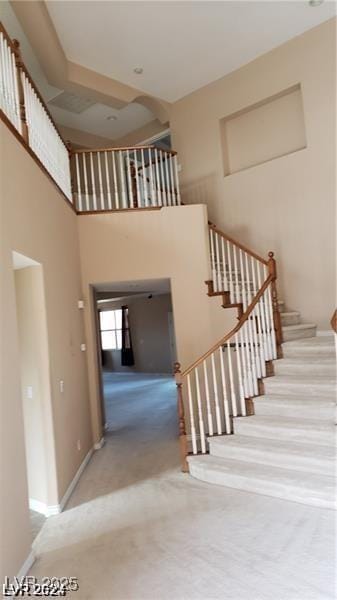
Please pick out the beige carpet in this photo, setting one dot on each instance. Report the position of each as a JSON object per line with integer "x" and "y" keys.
{"x": 136, "y": 528}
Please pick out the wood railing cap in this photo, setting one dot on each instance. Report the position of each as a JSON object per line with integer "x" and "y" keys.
{"x": 236, "y": 243}
{"x": 122, "y": 149}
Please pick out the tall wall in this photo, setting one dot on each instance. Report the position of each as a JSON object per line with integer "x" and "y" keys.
{"x": 171, "y": 243}
{"x": 284, "y": 201}
{"x": 36, "y": 222}
{"x": 149, "y": 327}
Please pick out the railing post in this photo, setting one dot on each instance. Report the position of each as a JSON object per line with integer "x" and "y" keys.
{"x": 19, "y": 65}
{"x": 133, "y": 168}
{"x": 276, "y": 311}
{"x": 71, "y": 169}
{"x": 181, "y": 417}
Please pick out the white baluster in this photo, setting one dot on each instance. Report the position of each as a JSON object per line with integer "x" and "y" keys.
{"x": 208, "y": 405}
{"x": 152, "y": 188}
{"x": 107, "y": 179}
{"x": 230, "y": 269}
{"x": 78, "y": 180}
{"x": 94, "y": 198}
{"x": 217, "y": 264}
{"x": 121, "y": 171}
{"x": 169, "y": 199}
{"x": 162, "y": 180}
{"x": 201, "y": 420}
{"x": 224, "y": 262}
{"x": 240, "y": 375}
{"x": 115, "y": 181}
{"x": 128, "y": 172}
{"x": 191, "y": 415}
{"x": 177, "y": 179}
{"x": 224, "y": 392}
{"x": 101, "y": 191}
{"x": 231, "y": 380}
{"x": 158, "y": 188}
{"x": 216, "y": 397}
{"x": 213, "y": 267}
{"x": 270, "y": 317}
{"x": 146, "y": 199}
{"x": 84, "y": 160}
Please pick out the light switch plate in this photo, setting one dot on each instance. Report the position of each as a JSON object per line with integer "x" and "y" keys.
{"x": 83, "y": 347}
{"x": 80, "y": 304}
{"x": 30, "y": 392}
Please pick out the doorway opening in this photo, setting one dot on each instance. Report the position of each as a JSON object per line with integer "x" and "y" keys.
{"x": 137, "y": 352}
{"x": 35, "y": 385}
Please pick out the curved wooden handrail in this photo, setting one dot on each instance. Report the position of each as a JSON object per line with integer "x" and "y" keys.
{"x": 333, "y": 321}
{"x": 237, "y": 327}
{"x": 236, "y": 243}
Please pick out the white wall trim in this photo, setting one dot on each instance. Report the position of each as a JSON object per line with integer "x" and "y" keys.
{"x": 27, "y": 565}
{"x": 74, "y": 482}
{"x": 54, "y": 509}
{"x": 99, "y": 444}
{"x": 38, "y": 506}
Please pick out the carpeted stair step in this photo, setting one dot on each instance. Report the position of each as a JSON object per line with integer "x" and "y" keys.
{"x": 314, "y": 431}
{"x": 299, "y": 407}
{"x": 297, "y": 486}
{"x": 294, "y": 332}
{"x": 278, "y": 453}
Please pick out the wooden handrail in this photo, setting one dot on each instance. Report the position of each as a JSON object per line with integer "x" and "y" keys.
{"x": 333, "y": 321}
{"x": 236, "y": 243}
{"x": 122, "y": 149}
{"x": 237, "y": 327}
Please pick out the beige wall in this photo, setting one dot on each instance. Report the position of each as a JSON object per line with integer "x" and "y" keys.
{"x": 168, "y": 243}
{"x": 37, "y": 223}
{"x": 287, "y": 204}
{"x": 148, "y": 318}
{"x": 34, "y": 370}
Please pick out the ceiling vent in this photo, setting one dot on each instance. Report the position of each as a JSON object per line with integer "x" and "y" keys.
{"x": 71, "y": 103}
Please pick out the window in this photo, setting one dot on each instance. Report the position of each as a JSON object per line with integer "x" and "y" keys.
{"x": 111, "y": 329}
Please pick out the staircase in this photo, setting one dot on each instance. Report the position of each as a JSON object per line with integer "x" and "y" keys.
{"x": 282, "y": 445}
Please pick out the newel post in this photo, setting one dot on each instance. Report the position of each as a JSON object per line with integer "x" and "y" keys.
{"x": 181, "y": 417}
{"x": 71, "y": 170}
{"x": 276, "y": 311}
{"x": 19, "y": 65}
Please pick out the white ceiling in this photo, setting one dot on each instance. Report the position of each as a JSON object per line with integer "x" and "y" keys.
{"x": 94, "y": 119}
{"x": 180, "y": 45}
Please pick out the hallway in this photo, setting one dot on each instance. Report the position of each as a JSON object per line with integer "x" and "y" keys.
{"x": 136, "y": 528}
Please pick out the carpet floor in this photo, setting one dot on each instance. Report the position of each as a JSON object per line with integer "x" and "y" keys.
{"x": 136, "y": 528}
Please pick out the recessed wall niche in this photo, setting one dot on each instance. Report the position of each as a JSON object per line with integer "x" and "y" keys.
{"x": 261, "y": 132}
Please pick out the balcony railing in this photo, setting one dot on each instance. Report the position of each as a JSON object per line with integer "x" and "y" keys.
{"x": 124, "y": 178}
{"x": 107, "y": 179}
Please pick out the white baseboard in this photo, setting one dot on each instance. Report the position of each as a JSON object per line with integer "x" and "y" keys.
{"x": 27, "y": 565}
{"x": 74, "y": 482}
{"x": 54, "y": 509}
{"x": 100, "y": 444}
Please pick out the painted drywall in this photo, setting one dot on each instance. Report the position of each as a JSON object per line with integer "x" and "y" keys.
{"x": 287, "y": 204}
{"x": 35, "y": 385}
{"x": 37, "y": 223}
{"x": 171, "y": 243}
{"x": 149, "y": 327}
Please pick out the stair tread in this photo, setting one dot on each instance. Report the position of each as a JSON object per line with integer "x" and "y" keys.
{"x": 296, "y": 399}
{"x": 299, "y": 326}
{"x": 320, "y": 485}
{"x": 307, "y": 360}
{"x": 323, "y": 340}
{"x": 266, "y": 445}
{"x": 288, "y": 423}
{"x": 302, "y": 379}
{"x": 288, "y": 313}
